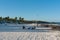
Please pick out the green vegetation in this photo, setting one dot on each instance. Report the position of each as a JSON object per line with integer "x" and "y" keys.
{"x": 11, "y": 20}
{"x": 18, "y": 20}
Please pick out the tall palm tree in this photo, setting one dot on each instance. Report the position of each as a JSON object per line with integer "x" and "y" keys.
{"x": 22, "y": 19}
{"x": 6, "y": 19}
{"x": 0, "y": 19}
{"x": 15, "y": 19}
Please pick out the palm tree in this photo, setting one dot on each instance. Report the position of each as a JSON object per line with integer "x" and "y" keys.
{"x": 19, "y": 18}
{"x": 6, "y": 19}
{"x": 0, "y": 19}
{"x": 22, "y": 19}
{"x": 15, "y": 19}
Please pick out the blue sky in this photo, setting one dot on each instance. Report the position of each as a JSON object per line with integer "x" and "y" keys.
{"x": 46, "y": 10}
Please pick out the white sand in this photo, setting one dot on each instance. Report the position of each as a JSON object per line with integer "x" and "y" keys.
{"x": 30, "y": 35}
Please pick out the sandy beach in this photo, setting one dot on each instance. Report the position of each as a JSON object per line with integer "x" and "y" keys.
{"x": 30, "y": 35}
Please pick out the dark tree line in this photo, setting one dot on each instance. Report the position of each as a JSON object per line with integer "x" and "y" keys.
{"x": 11, "y": 20}
{"x": 18, "y": 20}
